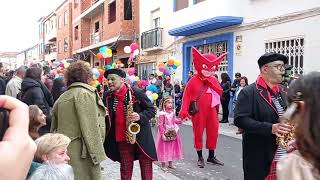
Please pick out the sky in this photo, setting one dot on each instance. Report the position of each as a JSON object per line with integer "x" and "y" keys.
{"x": 19, "y": 22}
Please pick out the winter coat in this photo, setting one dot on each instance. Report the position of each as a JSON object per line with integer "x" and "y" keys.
{"x": 34, "y": 92}
{"x": 80, "y": 114}
{"x": 145, "y": 109}
{"x": 256, "y": 115}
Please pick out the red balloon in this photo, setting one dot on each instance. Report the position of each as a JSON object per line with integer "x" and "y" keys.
{"x": 107, "y": 60}
{"x": 134, "y": 46}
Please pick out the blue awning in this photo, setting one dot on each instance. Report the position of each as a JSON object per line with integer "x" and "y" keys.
{"x": 206, "y": 25}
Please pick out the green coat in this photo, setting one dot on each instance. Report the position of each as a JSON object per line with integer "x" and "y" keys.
{"x": 80, "y": 114}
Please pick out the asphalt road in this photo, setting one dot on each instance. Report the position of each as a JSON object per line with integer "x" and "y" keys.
{"x": 229, "y": 151}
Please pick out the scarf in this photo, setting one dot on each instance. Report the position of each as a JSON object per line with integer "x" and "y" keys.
{"x": 120, "y": 120}
{"x": 274, "y": 90}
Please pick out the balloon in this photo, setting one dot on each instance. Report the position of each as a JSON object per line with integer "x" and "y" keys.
{"x": 160, "y": 64}
{"x": 148, "y": 93}
{"x": 104, "y": 55}
{"x": 162, "y": 68}
{"x": 134, "y": 46}
{"x": 108, "y": 51}
{"x": 108, "y": 66}
{"x": 131, "y": 71}
{"x": 177, "y": 63}
{"x": 97, "y": 74}
{"x": 107, "y": 59}
{"x": 152, "y": 88}
{"x": 99, "y": 56}
{"x": 151, "y": 99}
{"x": 100, "y": 71}
{"x": 136, "y": 78}
{"x": 109, "y": 55}
{"x": 136, "y": 52}
{"x": 154, "y": 96}
{"x": 170, "y": 62}
{"x": 167, "y": 72}
{"x": 113, "y": 65}
{"x": 103, "y": 49}
{"x": 127, "y": 49}
{"x": 66, "y": 65}
{"x": 174, "y": 67}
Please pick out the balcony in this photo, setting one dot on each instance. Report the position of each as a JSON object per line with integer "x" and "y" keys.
{"x": 95, "y": 38}
{"x": 152, "y": 39}
{"x": 95, "y": 8}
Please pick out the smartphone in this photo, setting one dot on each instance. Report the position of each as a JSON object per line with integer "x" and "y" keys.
{"x": 4, "y": 121}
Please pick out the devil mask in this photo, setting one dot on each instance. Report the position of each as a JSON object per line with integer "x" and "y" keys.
{"x": 206, "y": 64}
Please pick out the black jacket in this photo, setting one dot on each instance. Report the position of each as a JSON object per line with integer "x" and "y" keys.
{"x": 34, "y": 92}
{"x": 2, "y": 85}
{"x": 255, "y": 114}
{"x": 145, "y": 109}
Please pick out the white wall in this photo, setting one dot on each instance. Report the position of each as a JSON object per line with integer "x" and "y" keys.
{"x": 253, "y": 45}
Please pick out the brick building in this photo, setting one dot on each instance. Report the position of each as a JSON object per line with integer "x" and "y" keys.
{"x": 97, "y": 23}
{"x": 64, "y": 30}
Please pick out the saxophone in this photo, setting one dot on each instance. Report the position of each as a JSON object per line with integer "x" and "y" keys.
{"x": 133, "y": 128}
{"x": 286, "y": 118}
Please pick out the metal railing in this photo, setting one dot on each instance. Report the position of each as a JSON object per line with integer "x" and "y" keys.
{"x": 151, "y": 38}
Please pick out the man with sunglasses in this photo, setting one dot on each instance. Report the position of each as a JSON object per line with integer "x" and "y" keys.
{"x": 257, "y": 112}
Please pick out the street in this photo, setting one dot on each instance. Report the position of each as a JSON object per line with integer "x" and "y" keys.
{"x": 229, "y": 151}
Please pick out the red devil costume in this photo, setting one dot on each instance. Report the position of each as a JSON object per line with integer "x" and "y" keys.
{"x": 206, "y": 90}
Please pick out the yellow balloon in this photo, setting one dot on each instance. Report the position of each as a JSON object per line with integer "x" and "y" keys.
{"x": 154, "y": 96}
{"x": 108, "y": 51}
{"x": 177, "y": 63}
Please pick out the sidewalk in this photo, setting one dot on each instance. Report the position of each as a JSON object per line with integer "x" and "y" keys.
{"x": 111, "y": 171}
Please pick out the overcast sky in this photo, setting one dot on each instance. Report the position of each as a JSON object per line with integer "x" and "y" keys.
{"x": 18, "y": 18}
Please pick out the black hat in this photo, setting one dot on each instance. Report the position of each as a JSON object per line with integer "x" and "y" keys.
{"x": 270, "y": 57}
{"x": 116, "y": 71}
{"x": 238, "y": 74}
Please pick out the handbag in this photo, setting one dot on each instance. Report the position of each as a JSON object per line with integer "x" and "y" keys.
{"x": 193, "y": 107}
{"x": 170, "y": 134}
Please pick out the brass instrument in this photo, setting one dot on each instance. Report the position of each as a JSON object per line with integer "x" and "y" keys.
{"x": 133, "y": 128}
{"x": 286, "y": 118}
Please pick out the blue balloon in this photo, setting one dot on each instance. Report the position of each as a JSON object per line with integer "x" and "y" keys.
{"x": 97, "y": 74}
{"x": 103, "y": 49}
{"x": 174, "y": 67}
{"x": 108, "y": 66}
{"x": 152, "y": 87}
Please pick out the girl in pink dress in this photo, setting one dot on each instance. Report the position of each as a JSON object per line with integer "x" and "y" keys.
{"x": 168, "y": 142}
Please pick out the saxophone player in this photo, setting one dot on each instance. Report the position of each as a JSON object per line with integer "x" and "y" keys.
{"x": 128, "y": 107}
{"x": 257, "y": 112}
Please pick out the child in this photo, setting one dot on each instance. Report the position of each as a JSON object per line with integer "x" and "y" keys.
{"x": 168, "y": 143}
{"x": 37, "y": 120}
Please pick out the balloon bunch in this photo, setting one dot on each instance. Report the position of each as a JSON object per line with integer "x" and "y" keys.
{"x": 60, "y": 68}
{"x": 97, "y": 76}
{"x": 151, "y": 92}
{"x": 169, "y": 67}
{"x": 133, "y": 49}
{"x": 132, "y": 79}
{"x": 105, "y": 53}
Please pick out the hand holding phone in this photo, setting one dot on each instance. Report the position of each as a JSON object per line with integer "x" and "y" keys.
{"x": 16, "y": 148}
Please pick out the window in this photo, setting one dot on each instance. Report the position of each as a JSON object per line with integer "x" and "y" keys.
{"x": 65, "y": 44}
{"x": 293, "y": 48}
{"x": 127, "y": 10}
{"x": 96, "y": 27}
{"x": 197, "y": 1}
{"x": 59, "y": 22}
{"x": 112, "y": 12}
{"x": 76, "y": 3}
{"x": 180, "y": 4}
{"x": 66, "y": 18}
{"x": 76, "y": 31}
{"x": 156, "y": 22}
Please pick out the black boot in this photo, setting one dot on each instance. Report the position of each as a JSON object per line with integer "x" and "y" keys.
{"x": 214, "y": 160}
{"x": 200, "y": 162}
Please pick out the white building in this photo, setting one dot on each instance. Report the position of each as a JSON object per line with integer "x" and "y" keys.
{"x": 9, "y": 60}
{"x": 32, "y": 55}
{"x": 50, "y": 37}
{"x": 246, "y": 29}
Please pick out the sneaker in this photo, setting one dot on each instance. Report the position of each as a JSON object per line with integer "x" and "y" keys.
{"x": 200, "y": 163}
{"x": 214, "y": 160}
{"x": 165, "y": 169}
{"x": 172, "y": 167}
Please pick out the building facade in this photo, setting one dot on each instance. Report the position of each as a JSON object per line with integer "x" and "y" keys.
{"x": 246, "y": 29}
{"x": 97, "y": 23}
{"x": 50, "y": 38}
{"x": 9, "y": 60}
{"x": 64, "y": 36}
